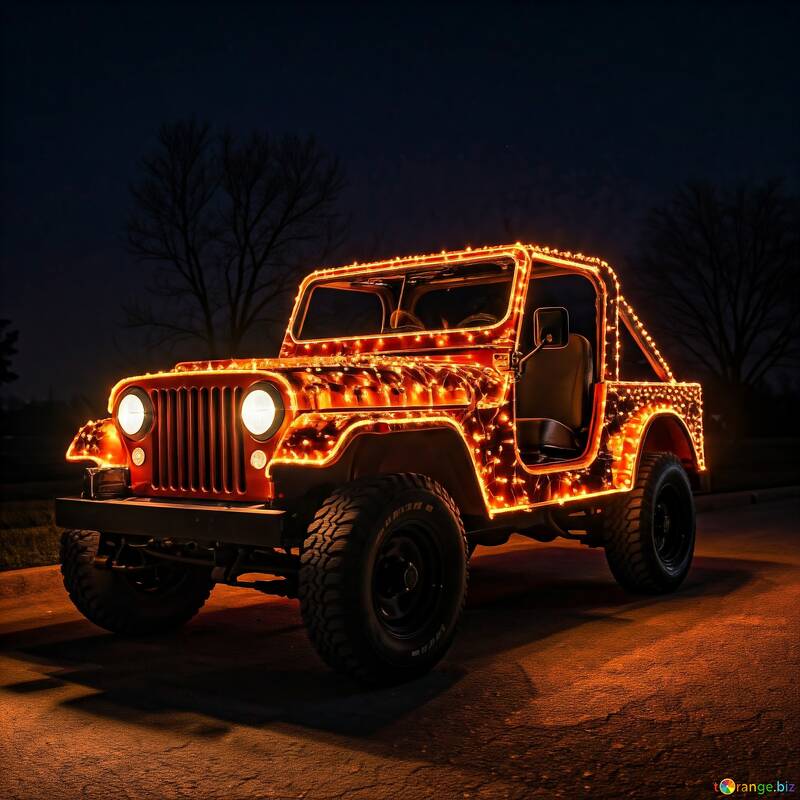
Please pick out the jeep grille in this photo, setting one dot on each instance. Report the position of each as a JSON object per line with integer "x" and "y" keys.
{"x": 197, "y": 440}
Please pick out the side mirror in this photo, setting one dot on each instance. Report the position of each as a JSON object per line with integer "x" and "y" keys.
{"x": 550, "y": 327}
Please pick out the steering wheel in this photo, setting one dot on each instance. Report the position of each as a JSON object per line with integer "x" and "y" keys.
{"x": 477, "y": 320}
{"x": 402, "y": 320}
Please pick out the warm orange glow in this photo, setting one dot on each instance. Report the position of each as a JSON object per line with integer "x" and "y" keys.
{"x": 338, "y": 389}
{"x": 645, "y": 341}
{"x": 635, "y": 405}
{"x": 99, "y": 442}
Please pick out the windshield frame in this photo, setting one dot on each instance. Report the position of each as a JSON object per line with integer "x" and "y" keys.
{"x": 399, "y": 269}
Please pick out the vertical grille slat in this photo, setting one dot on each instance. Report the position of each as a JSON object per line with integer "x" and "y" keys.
{"x": 198, "y": 446}
{"x": 213, "y": 444}
{"x": 163, "y": 447}
{"x": 191, "y": 437}
{"x": 202, "y": 416}
{"x": 156, "y": 468}
{"x": 180, "y": 434}
{"x": 225, "y": 456}
{"x": 238, "y": 443}
{"x": 172, "y": 451}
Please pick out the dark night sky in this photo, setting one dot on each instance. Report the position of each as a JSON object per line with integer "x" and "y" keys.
{"x": 565, "y": 121}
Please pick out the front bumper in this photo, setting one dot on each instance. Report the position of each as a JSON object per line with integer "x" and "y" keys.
{"x": 195, "y": 521}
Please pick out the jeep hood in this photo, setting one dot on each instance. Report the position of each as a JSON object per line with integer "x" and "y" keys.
{"x": 372, "y": 381}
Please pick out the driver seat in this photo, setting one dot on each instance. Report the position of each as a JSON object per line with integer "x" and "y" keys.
{"x": 553, "y": 402}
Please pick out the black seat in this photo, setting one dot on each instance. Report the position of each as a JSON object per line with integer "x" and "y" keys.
{"x": 553, "y": 401}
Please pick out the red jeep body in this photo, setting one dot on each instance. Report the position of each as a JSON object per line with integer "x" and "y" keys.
{"x": 368, "y": 404}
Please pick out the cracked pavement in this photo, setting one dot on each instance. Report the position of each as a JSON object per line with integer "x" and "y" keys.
{"x": 559, "y": 685}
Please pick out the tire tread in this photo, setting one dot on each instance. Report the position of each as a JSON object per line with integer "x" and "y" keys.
{"x": 331, "y": 533}
{"x": 626, "y": 558}
{"x": 77, "y": 551}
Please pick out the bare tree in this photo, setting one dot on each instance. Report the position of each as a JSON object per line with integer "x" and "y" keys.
{"x": 228, "y": 224}
{"x": 721, "y": 269}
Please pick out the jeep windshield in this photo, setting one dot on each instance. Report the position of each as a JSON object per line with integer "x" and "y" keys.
{"x": 442, "y": 297}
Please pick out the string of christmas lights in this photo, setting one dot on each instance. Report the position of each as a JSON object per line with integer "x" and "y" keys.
{"x": 337, "y": 389}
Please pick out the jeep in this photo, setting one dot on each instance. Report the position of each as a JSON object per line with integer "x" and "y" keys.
{"x": 419, "y": 407}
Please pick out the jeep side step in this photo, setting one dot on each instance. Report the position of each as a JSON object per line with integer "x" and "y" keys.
{"x": 543, "y": 524}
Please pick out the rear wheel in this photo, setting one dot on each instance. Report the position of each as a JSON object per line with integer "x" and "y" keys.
{"x": 383, "y": 577}
{"x": 147, "y": 596}
{"x": 650, "y": 531}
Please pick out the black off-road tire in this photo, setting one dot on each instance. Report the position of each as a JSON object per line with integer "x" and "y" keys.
{"x": 637, "y": 549}
{"x": 354, "y": 559}
{"x": 113, "y": 601}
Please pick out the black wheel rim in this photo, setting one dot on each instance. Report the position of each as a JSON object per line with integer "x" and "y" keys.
{"x": 407, "y": 581}
{"x": 672, "y": 533}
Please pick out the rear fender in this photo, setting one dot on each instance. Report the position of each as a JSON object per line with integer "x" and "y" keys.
{"x": 668, "y": 433}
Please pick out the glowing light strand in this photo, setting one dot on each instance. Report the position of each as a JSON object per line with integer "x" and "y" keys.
{"x": 336, "y": 390}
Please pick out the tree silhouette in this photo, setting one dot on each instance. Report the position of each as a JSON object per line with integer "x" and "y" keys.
{"x": 8, "y": 348}
{"x": 228, "y": 223}
{"x": 721, "y": 269}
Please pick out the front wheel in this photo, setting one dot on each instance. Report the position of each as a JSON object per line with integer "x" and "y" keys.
{"x": 383, "y": 577}
{"x": 141, "y": 596}
{"x": 649, "y": 531}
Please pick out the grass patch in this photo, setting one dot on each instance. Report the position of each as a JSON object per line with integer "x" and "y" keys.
{"x": 28, "y": 535}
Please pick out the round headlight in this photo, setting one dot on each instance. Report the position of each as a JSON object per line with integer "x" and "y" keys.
{"x": 262, "y": 411}
{"x": 134, "y": 413}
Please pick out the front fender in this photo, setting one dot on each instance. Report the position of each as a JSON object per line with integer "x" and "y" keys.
{"x": 98, "y": 441}
{"x": 434, "y": 448}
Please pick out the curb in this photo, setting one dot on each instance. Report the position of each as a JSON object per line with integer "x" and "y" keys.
{"x": 715, "y": 502}
{"x": 29, "y": 580}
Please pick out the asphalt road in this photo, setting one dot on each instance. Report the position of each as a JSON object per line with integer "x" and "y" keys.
{"x": 558, "y": 685}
